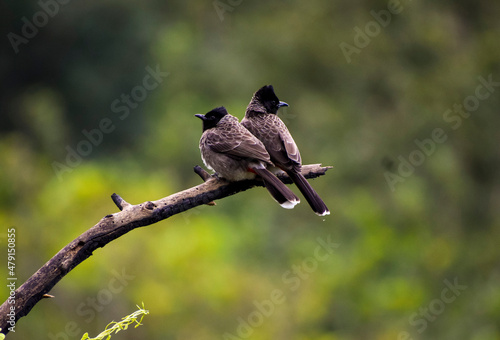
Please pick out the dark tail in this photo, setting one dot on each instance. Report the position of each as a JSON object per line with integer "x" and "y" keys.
{"x": 280, "y": 192}
{"x": 312, "y": 197}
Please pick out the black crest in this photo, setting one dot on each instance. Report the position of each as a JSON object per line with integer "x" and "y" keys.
{"x": 211, "y": 118}
{"x": 268, "y": 98}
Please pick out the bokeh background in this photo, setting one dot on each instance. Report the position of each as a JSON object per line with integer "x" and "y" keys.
{"x": 416, "y": 233}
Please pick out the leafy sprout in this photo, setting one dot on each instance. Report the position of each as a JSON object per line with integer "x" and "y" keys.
{"x": 114, "y": 327}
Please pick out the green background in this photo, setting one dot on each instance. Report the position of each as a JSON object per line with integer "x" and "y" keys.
{"x": 403, "y": 233}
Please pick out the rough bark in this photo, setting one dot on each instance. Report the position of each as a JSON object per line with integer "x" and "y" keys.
{"x": 115, "y": 225}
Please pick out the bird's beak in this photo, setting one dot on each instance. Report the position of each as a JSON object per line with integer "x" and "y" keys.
{"x": 282, "y": 104}
{"x": 202, "y": 117}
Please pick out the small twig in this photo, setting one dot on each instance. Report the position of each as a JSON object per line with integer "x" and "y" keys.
{"x": 205, "y": 176}
{"x": 120, "y": 202}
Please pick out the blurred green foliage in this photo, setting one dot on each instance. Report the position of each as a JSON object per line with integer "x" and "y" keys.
{"x": 207, "y": 273}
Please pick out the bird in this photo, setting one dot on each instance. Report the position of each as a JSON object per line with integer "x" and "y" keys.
{"x": 235, "y": 154}
{"x": 262, "y": 120}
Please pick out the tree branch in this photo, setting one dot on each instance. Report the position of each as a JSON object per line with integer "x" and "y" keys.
{"x": 115, "y": 225}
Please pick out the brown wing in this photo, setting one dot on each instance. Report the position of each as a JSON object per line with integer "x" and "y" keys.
{"x": 236, "y": 141}
{"x": 277, "y": 140}
{"x": 291, "y": 148}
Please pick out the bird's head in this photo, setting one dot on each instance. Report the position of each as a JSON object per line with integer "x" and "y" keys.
{"x": 210, "y": 119}
{"x": 266, "y": 100}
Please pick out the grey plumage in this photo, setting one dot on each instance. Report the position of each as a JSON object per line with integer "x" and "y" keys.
{"x": 235, "y": 154}
{"x": 262, "y": 121}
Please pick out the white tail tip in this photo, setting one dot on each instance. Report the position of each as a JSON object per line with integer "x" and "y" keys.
{"x": 289, "y": 204}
